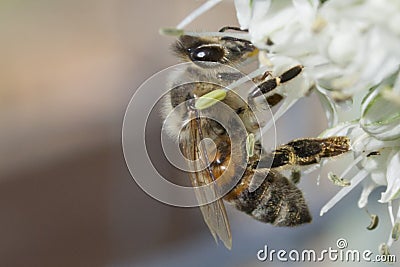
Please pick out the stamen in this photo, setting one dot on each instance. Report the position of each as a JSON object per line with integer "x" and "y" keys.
{"x": 374, "y": 221}
{"x": 197, "y": 13}
{"x": 396, "y": 231}
{"x": 361, "y": 138}
{"x": 342, "y": 193}
{"x": 354, "y": 163}
{"x": 398, "y": 215}
{"x": 368, "y": 188}
{"x": 384, "y": 249}
{"x": 315, "y": 167}
{"x": 389, "y": 243}
{"x": 390, "y": 208}
{"x": 339, "y": 181}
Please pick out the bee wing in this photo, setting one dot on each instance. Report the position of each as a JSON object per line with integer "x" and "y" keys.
{"x": 214, "y": 213}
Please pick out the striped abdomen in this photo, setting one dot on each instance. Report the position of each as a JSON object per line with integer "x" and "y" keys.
{"x": 277, "y": 200}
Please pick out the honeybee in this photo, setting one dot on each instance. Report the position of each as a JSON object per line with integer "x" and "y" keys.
{"x": 275, "y": 199}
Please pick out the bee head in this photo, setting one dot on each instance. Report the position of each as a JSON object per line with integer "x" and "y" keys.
{"x": 205, "y": 52}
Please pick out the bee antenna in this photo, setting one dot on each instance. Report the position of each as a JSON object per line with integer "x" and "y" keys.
{"x": 225, "y": 35}
{"x": 171, "y": 32}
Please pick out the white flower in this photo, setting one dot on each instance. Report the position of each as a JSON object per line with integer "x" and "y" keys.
{"x": 375, "y": 159}
{"x": 349, "y": 49}
{"x": 347, "y": 46}
{"x": 380, "y": 110}
{"x": 375, "y": 142}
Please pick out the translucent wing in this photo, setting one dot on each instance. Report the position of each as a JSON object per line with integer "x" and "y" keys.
{"x": 214, "y": 213}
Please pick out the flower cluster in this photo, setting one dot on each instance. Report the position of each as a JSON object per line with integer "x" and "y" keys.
{"x": 347, "y": 45}
{"x": 349, "y": 50}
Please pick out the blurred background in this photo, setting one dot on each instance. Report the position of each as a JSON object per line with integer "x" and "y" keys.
{"x": 67, "y": 72}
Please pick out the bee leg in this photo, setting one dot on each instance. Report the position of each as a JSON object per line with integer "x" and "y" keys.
{"x": 305, "y": 151}
{"x": 308, "y": 151}
{"x": 280, "y": 157}
{"x": 234, "y": 39}
{"x": 295, "y": 176}
{"x": 274, "y": 99}
{"x": 230, "y": 76}
{"x": 266, "y": 74}
{"x": 269, "y": 85}
{"x": 262, "y": 78}
{"x": 233, "y": 28}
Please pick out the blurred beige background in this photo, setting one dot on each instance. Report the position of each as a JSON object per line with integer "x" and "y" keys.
{"x": 67, "y": 72}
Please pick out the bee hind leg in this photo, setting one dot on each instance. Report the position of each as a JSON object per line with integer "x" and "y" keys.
{"x": 308, "y": 151}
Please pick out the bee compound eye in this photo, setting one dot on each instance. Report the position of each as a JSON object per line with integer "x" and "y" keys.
{"x": 207, "y": 53}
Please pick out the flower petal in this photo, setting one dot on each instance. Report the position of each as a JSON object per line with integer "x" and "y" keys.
{"x": 381, "y": 115}
{"x": 340, "y": 129}
{"x": 376, "y": 166}
{"x": 329, "y": 107}
{"x": 243, "y": 12}
{"x": 393, "y": 178}
{"x": 368, "y": 187}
